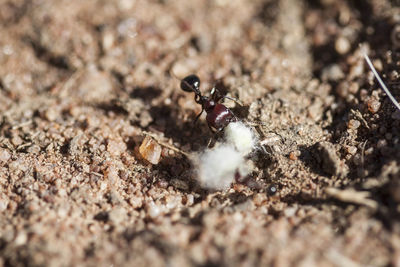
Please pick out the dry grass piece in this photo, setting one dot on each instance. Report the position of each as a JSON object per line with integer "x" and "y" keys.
{"x": 352, "y": 196}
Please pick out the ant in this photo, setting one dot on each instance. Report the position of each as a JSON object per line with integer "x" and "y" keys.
{"x": 218, "y": 115}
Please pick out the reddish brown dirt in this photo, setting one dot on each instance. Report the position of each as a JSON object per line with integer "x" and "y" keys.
{"x": 83, "y": 82}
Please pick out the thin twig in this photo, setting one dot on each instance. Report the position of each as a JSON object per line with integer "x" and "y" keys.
{"x": 97, "y": 174}
{"x": 363, "y": 157}
{"x": 22, "y": 124}
{"x": 358, "y": 114}
{"x": 22, "y": 146}
{"x": 352, "y": 196}
{"x": 166, "y": 144}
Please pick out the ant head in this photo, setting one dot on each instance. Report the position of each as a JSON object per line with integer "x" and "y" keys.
{"x": 191, "y": 83}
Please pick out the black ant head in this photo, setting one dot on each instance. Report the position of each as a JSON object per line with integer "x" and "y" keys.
{"x": 191, "y": 83}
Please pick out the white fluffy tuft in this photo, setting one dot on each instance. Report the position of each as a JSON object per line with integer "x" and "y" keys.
{"x": 217, "y": 167}
{"x": 241, "y": 136}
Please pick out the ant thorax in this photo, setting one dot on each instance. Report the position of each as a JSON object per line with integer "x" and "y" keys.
{"x": 209, "y": 105}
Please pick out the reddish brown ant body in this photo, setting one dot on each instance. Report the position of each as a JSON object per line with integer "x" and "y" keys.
{"x": 218, "y": 115}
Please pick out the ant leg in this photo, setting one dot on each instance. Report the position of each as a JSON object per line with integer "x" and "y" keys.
{"x": 211, "y": 129}
{"x": 211, "y": 141}
{"x": 198, "y": 116}
{"x": 196, "y": 119}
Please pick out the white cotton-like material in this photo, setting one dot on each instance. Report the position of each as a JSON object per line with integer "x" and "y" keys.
{"x": 241, "y": 136}
{"x": 217, "y": 167}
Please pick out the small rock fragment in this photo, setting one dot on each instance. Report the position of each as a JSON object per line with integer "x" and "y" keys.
{"x": 352, "y": 150}
{"x": 180, "y": 184}
{"x": 150, "y": 150}
{"x": 353, "y": 124}
{"x": 51, "y": 114}
{"x": 395, "y": 36}
{"x": 153, "y": 209}
{"x": 332, "y": 73}
{"x": 396, "y": 115}
{"x": 342, "y": 45}
{"x": 4, "y": 155}
{"x": 373, "y": 105}
{"x": 16, "y": 140}
{"x": 116, "y": 147}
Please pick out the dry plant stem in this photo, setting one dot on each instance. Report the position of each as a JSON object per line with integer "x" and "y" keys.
{"x": 20, "y": 147}
{"x": 358, "y": 114}
{"x": 363, "y": 157}
{"x": 340, "y": 259}
{"x": 352, "y": 196}
{"x": 166, "y": 144}
{"x": 380, "y": 81}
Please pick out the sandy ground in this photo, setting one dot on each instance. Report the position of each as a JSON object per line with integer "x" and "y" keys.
{"x": 83, "y": 82}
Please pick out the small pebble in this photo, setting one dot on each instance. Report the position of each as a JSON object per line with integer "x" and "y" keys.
{"x": 373, "y": 105}
{"x": 395, "y": 36}
{"x": 354, "y": 88}
{"x": 180, "y": 184}
{"x": 153, "y": 210}
{"x": 342, "y": 45}
{"x": 369, "y": 151}
{"x": 16, "y": 140}
{"x": 116, "y": 147}
{"x": 357, "y": 159}
{"x": 51, "y": 114}
{"x": 4, "y": 155}
{"x": 353, "y": 124}
{"x": 108, "y": 41}
{"x": 381, "y": 143}
{"x": 356, "y": 70}
{"x": 378, "y": 64}
{"x": 34, "y": 149}
{"x": 343, "y": 89}
{"x": 394, "y": 75}
{"x": 293, "y": 155}
{"x": 396, "y": 115}
{"x": 332, "y": 72}
{"x": 352, "y": 150}
{"x": 150, "y": 150}
{"x": 259, "y": 199}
